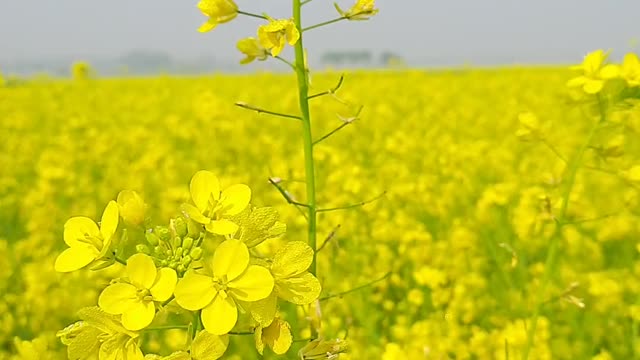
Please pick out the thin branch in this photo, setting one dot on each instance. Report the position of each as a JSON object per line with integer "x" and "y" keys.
{"x": 554, "y": 150}
{"x": 166, "y": 302}
{"x": 354, "y": 205}
{"x": 305, "y": 2}
{"x": 330, "y": 91}
{"x": 345, "y": 122}
{"x": 341, "y": 294}
{"x": 606, "y": 171}
{"x": 165, "y": 327}
{"x": 252, "y": 15}
{"x": 330, "y": 237}
{"x": 260, "y": 110}
{"x": 241, "y": 333}
{"x": 597, "y": 218}
{"x": 286, "y": 62}
{"x": 117, "y": 259}
{"x": 324, "y": 23}
{"x": 285, "y": 194}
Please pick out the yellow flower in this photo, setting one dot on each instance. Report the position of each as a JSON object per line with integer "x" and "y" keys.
{"x": 132, "y": 207}
{"x": 218, "y": 11}
{"x": 87, "y": 243}
{"x": 233, "y": 280}
{"x": 361, "y": 10}
{"x": 323, "y": 349}
{"x": 277, "y": 336}
{"x": 212, "y": 206}
{"x": 99, "y": 336}
{"x": 293, "y": 282}
{"x": 630, "y": 70}
{"x": 595, "y": 72}
{"x": 530, "y": 127}
{"x": 135, "y": 299}
{"x": 205, "y": 346}
{"x": 276, "y": 34}
{"x": 252, "y": 49}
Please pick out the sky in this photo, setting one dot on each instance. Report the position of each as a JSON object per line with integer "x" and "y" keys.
{"x": 422, "y": 31}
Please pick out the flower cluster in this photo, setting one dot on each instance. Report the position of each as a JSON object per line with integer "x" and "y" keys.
{"x": 206, "y": 260}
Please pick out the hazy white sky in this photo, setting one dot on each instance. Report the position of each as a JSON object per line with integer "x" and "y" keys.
{"x": 444, "y": 31}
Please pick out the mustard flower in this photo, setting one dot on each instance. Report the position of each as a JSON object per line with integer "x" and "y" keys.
{"x": 217, "y": 295}
{"x": 293, "y": 282}
{"x": 218, "y": 11}
{"x": 252, "y": 49}
{"x": 323, "y": 349}
{"x": 136, "y": 298}
{"x": 277, "y": 336}
{"x": 87, "y": 243}
{"x": 361, "y": 10}
{"x": 99, "y": 336}
{"x": 276, "y": 34}
{"x": 630, "y": 70}
{"x": 212, "y": 206}
{"x": 132, "y": 207}
{"x": 205, "y": 346}
{"x": 595, "y": 72}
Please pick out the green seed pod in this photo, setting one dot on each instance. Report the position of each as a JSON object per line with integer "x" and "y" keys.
{"x": 196, "y": 253}
{"x": 163, "y": 233}
{"x": 152, "y": 238}
{"x": 187, "y": 243}
{"x": 142, "y": 248}
{"x": 180, "y": 225}
{"x": 178, "y": 252}
{"x": 186, "y": 260}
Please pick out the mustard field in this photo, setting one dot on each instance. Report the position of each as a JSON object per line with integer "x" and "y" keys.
{"x": 457, "y": 180}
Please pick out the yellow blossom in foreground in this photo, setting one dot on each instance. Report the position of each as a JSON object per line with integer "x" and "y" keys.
{"x": 630, "y": 70}
{"x": 252, "y": 49}
{"x": 595, "y": 72}
{"x": 212, "y": 206}
{"x": 277, "y": 336}
{"x": 99, "y": 336}
{"x": 205, "y": 346}
{"x": 293, "y": 282}
{"x": 87, "y": 243}
{"x": 233, "y": 280}
{"x": 276, "y": 34}
{"x": 361, "y": 10}
{"x": 132, "y": 207}
{"x": 218, "y": 11}
{"x": 135, "y": 299}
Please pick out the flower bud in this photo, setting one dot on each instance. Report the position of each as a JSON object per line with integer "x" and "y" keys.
{"x": 181, "y": 226}
{"x": 176, "y": 242}
{"x": 132, "y": 207}
{"x": 142, "y": 248}
{"x": 187, "y": 243}
{"x": 178, "y": 253}
{"x": 152, "y": 239}
{"x": 196, "y": 253}
{"x": 163, "y": 233}
{"x": 181, "y": 268}
{"x": 186, "y": 261}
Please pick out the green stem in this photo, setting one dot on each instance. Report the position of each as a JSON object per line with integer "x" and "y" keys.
{"x": 166, "y": 327}
{"x": 309, "y": 166}
{"x": 323, "y": 24}
{"x": 252, "y": 15}
{"x": 574, "y": 166}
{"x": 340, "y": 294}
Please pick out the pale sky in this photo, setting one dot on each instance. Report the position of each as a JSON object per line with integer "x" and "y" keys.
{"x": 423, "y": 31}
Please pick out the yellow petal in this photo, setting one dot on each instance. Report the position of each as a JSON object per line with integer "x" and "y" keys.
{"x": 164, "y": 285}
{"x": 593, "y": 86}
{"x": 204, "y": 186}
{"x": 207, "y": 346}
{"x": 278, "y": 336}
{"x": 235, "y": 198}
{"x": 263, "y": 311}
{"x": 292, "y": 33}
{"x": 75, "y": 258}
{"x": 293, "y": 258}
{"x": 222, "y": 227}
{"x": 610, "y": 71}
{"x": 208, "y": 25}
{"x": 139, "y": 316}
{"x": 118, "y": 298}
{"x": 230, "y": 259}
{"x": 220, "y": 316}
{"x": 141, "y": 270}
{"x": 577, "y": 81}
{"x": 254, "y": 284}
{"x": 109, "y": 222}
{"x": 301, "y": 290}
{"x": 195, "y": 291}
{"x": 194, "y": 214}
{"x": 76, "y": 228}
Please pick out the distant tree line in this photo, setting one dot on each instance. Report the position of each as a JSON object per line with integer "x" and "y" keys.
{"x": 361, "y": 58}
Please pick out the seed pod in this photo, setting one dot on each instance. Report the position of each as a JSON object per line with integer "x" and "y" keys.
{"x": 196, "y": 253}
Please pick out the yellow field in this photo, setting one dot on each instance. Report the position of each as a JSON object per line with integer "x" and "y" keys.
{"x": 463, "y": 228}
